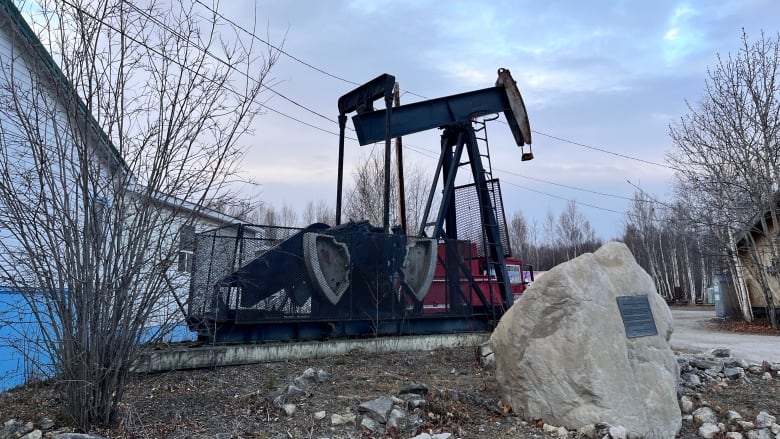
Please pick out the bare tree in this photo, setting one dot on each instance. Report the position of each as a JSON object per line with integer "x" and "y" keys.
{"x": 519, "y": 235}
{"x": 365, "y": 195}
{"x": 95, "y": 165}
{"x": 728, "y": 157}
{"x": 669, "y": 246}
{"x": 319, "y": 212}
{"x": 574, "y": 233}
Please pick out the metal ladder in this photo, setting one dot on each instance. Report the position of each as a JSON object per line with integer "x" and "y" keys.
{"x": 483, "y": 146}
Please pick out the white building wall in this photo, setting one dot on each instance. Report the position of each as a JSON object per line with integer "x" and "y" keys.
{"x": 32, "y": 93}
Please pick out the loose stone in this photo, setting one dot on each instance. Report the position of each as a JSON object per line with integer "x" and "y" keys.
{"x": 705, "y": 415}
{"x": 337, "y": 419}
{"x": 708, "y": 430}
{"x": 764, "y": 420}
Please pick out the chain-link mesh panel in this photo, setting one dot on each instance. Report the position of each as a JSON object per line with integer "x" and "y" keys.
{"x": 469, "y": 218}
{"x": 261, "y": 279}
{"x": 252, "y": 274}
{"x": 220, "y": 253}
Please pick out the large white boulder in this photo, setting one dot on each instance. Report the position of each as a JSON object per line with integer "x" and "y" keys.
{"x": 562, "y": 353}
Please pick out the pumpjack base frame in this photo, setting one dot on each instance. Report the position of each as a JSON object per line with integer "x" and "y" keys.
{"x": 229, "y": 332}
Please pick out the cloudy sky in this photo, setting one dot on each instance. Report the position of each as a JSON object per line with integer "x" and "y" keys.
{"x": 602, "y": 75}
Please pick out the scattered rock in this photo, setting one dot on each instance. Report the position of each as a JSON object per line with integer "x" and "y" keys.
{"x": 378, "y": 409}
{"x": 588, "y": 431}
{"x": 733, "y": 373}
{"x": 289, "y": 409}
{"x": 705, "y": 415}
{"x": 569, "y": 331}
{"x": 15, "y": 429}
{"x": 764, "y": 420}
{"x": 322, "y": 376}
{"x": 763, "y": 433}
{"x": 295, "y": 391}
{"x": 732, "y": 417}
{"x": 320, "y": 415}
{"x": 35, "y": 434}
{"x": 708, "y": 430}
{"x": 618, "y": 432}
{"x": 709, "y": 363}
{"x": 746, "y": 425}
{"x": 734, "y": 435}
{"x": 396, "y": 419}
{"x": 337, "y": 419}
{"x": 691, "y": 380}
{"x": 686, "y": 404}
{"x": 721, "y": 352}
{"x": 369, "y": 424}
{"x": 435, "y": 436}
{"x": 307, "y": 378}
{"x": 416, "y": 388}
{"x": 485, "y": 355}
{"x": 414, "y": 422}
{"x": 712, "y": 373}
{"x": 416, "y": 403}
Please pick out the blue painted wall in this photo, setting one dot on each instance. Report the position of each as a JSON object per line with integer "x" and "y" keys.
{"x": 22, "y": 357}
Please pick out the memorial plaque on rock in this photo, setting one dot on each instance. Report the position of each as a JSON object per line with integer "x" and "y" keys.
{"x": 584, "y": 370}
{"x": 637, "y": 316}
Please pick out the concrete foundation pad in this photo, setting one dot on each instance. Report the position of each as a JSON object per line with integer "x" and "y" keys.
{"x": 178, "y": 358}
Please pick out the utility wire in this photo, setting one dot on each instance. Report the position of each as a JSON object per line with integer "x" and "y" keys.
{"x": 269, "y": 44}
{"x": 324, "y": 72}
{"x": 222, "y": 61}
{"x": 283, "y": 52}
{"x": 199, "y": 74}
{"x": 306, "y": 123}
{"x": 230, "y": 66}
{"x": 604, "y": 150}
{"x": 430, "y": 154}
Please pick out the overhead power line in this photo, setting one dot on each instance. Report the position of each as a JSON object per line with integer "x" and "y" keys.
{"x": 617, "y": 154}
{"x": 284, "y": 52}
{"x": 229, "y": 65}
{"x": 269, "y": 44}
{"x": 432, "y": 155}
{"x": 207, "y": 52}
{"x": 340, "y": 78}
{"x": 200, "y": 74}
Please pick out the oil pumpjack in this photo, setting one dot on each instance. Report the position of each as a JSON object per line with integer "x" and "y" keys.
{"x": 254, "y": 283}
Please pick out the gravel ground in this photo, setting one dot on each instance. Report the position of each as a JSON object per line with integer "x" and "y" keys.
{"x": 234, "y": 402}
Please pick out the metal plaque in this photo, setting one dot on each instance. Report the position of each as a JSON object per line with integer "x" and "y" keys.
{"x": 637, "y": 316}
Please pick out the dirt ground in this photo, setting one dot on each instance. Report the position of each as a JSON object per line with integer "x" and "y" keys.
{"x": 232, "y": 402}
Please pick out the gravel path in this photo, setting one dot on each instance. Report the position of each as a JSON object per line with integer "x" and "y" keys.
{"x": 693, "y": 331}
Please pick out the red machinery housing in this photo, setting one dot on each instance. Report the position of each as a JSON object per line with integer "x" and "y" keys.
{"x": 438, "y": 300}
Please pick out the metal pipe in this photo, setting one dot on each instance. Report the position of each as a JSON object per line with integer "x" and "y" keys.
{"x": 432, "y": 192}
{"x": 388, "y": 117}
{"x": 342, "y": 126}
{"x": 399, "y": 158}
{"x": 446, "y": 208}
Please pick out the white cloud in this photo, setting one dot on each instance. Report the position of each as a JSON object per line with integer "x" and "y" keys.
{"x": 682, "y": 36}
